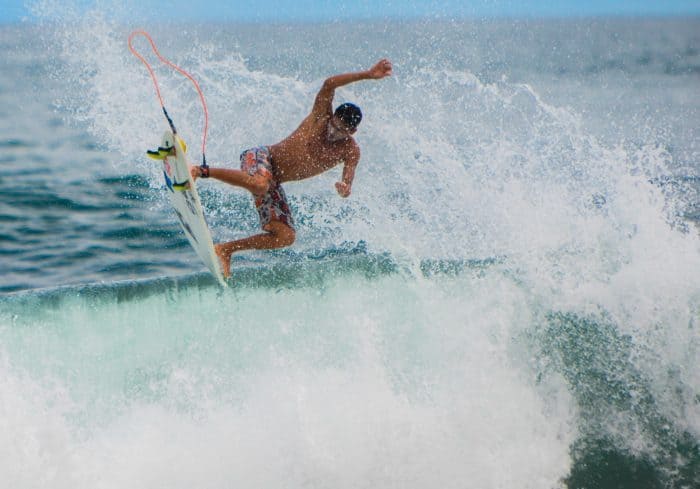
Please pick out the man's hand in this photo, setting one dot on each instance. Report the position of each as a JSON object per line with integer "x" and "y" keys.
{"x": 380, "y": 70}
{"x": 343, "y": 189}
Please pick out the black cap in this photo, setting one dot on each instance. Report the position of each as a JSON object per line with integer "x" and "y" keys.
{"x": 349, "y": 113}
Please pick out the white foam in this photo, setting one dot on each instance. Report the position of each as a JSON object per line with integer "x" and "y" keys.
{"x": 341, "y": 387}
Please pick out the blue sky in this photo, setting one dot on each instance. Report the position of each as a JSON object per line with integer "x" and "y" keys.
{"x": 315, "y": 10}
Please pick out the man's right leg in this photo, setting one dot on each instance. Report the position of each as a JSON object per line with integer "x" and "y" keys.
{"x": 256, "y": 184}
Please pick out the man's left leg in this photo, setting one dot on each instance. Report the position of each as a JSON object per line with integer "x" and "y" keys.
{"x": 278, "y": 235}
{"x": 272, "y": 206}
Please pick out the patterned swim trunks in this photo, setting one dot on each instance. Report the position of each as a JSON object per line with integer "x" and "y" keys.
{"x": 273, "y": 205}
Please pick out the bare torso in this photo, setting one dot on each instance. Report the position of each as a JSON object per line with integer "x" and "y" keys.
{"x": 308, "y": 152}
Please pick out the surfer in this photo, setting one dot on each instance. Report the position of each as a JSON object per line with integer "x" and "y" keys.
{"x": 323, "y": 140}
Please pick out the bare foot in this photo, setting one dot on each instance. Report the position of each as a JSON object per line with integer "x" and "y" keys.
{"x": 224, "y": 258}
{"x": 195, "y": 172}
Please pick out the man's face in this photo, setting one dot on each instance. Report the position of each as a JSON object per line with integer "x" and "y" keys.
{"x": 339, "y": 130}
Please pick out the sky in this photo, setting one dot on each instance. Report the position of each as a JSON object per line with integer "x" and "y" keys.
{"x": 13, "y": 11}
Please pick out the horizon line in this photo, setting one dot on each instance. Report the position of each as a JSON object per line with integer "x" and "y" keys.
{"x": 25, "y": 21}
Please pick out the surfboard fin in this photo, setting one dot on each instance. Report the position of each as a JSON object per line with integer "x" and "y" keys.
{"x": 182, "y": 186}
{"x": 163, "y": 151}
{"x": 160, "y": 153}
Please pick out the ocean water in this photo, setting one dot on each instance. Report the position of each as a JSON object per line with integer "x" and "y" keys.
{"x": 510, "y": 297}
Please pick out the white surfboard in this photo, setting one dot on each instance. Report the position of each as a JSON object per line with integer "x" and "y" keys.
{"x": 185, "y": 201}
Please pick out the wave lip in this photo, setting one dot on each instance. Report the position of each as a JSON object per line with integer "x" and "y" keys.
{"x": 286, "y": 270}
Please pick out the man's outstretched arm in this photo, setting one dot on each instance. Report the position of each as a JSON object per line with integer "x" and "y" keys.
{"x": 324, "y": 99}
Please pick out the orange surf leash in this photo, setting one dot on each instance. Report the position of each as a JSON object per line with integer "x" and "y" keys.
{"x": 155, "y": 84}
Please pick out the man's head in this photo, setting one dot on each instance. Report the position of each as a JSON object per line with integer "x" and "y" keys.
{"x": 344, "y": 122}
{"x": 350, "y": 114}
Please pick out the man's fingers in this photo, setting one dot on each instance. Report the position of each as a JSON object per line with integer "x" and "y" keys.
{"x": 385, "y": 66}
{"x": 342, "y": 189}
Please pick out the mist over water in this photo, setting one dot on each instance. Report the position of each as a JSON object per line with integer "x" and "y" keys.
{"x": 508, "y": 299}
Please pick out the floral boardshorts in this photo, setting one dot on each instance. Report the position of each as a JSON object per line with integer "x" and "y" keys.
{"x": 273, "y": 205}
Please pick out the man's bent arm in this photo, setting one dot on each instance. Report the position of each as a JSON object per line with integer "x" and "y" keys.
{"x": 344, "y": 187}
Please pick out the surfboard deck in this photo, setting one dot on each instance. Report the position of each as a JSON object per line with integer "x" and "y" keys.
{"x": 185, "y": 201}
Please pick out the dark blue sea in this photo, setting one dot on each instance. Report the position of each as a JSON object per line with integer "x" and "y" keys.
{"x": 509, "y": 299}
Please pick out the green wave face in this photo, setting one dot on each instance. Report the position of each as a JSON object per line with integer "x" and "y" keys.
{"x": 347, "y": 359}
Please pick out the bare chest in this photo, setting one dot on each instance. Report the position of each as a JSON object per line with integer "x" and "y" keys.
{"x": 307, "y": 153}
